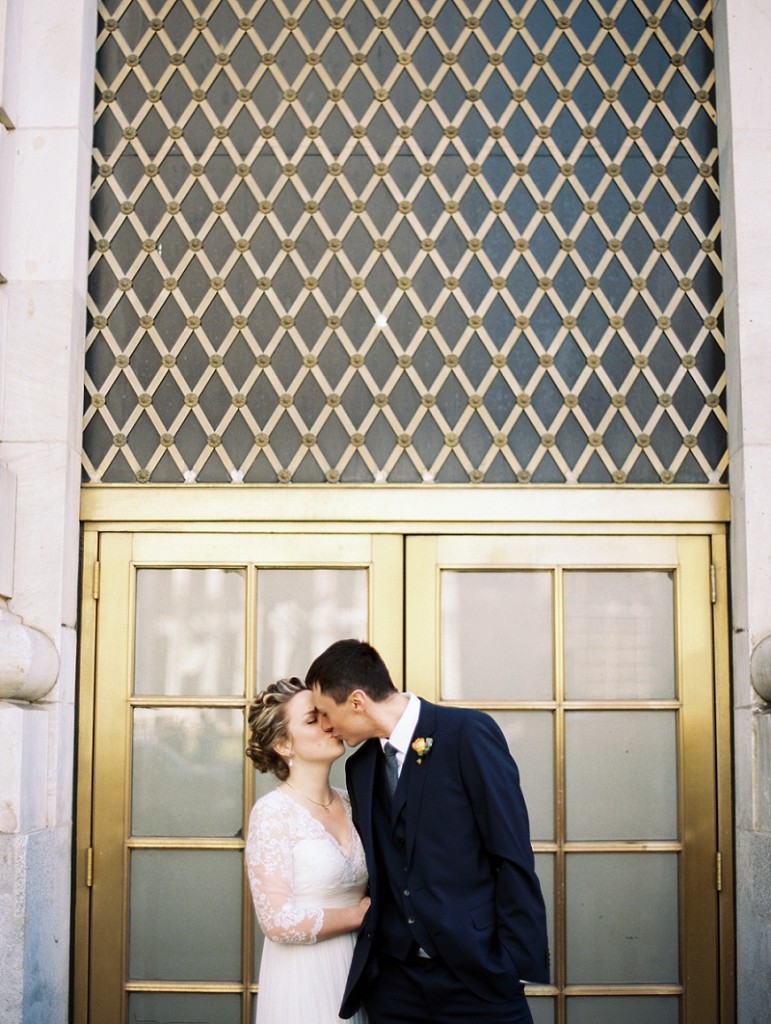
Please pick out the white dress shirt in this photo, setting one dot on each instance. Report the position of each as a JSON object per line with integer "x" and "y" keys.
{"x": 401, "y": 737}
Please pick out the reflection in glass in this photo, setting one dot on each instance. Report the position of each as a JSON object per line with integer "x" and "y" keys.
{"x": 629, "y": 1009}
{"x": 619, "y": 635}
{"x": 621, "y": 771}
{"x": 189, "y": 632}
{"x": 622, "y": 919}
{"x": 172, "y": 1007}
{"x": 301, "y": 611}
{"x": 185, "y": 915}
{"x": 530, "y": 736}
{"x": 496, "y": 636}
{"x": 187, "y": 772}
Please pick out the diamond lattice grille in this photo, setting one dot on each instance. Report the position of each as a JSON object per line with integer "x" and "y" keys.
{"x": 373, "y": 241}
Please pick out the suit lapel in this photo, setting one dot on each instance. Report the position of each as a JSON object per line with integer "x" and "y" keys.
{"x": 417, "y": 774}
{"x": 363, "y": 783}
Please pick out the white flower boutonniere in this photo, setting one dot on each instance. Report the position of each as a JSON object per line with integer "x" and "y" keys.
{"x": 422, "y": 747}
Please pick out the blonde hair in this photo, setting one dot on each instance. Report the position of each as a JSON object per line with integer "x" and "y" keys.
{"x": 267, "y": 725}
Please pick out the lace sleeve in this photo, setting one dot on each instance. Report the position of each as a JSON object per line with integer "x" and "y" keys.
{"x": 269, "y": 867}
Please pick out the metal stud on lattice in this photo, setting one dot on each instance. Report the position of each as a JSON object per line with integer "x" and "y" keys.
{"x": 383, "y": 241}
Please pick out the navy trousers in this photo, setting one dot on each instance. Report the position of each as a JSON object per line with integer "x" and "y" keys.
{"x": 427, "y": 991}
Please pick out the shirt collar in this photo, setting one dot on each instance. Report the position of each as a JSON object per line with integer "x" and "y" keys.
{"x": 405, "y": 727}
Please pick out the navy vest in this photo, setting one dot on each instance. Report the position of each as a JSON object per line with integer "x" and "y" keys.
{"x": 399, "y": 927}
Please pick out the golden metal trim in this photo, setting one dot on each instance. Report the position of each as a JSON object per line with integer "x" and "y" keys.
{"x": 83, "y": 837}
{"x": 105, "y": 958}
{"x": 725, "y": 834}
{"x": 393, "y": 506}
{"x": 688, "y": 557}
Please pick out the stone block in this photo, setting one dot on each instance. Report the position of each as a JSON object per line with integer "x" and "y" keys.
{"x": 745, "y": 27}
{"x": 40, "y": 223}
{"x": 34, "y": 927}
{"x": 23, "y": 767}
{"x": 61, "y": 752}
{"x": 47, "y": 928}
{"x": 57, "y": 47}
{"x": 761, "y": 782}
{"x": 39, "y": 353}
{"x": 13, "y": 864}
{"x": 47, "y": 502}
{"x": 7, "y": 529}
{"x": 10, "y": 46}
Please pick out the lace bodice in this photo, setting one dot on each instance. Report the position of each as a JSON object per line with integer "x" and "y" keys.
{"x": 296, "y": 868}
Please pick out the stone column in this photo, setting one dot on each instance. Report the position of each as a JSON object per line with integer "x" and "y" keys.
{"x": 46, "y": 90}
{"x": 743, "y": 44}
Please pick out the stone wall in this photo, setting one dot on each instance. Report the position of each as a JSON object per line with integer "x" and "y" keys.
{"x": 46, "y": 72}
{"x": 743, "y": 43}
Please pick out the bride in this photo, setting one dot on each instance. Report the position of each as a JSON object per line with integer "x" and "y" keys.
{"x": 304, "y": 860}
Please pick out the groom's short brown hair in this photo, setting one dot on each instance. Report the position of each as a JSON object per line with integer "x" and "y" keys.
{"x": 349, "y": 665}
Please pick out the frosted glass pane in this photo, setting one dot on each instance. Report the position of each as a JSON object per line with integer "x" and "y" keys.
{"x": 187, "y": 777}
{"x": 624, "y": 1010}
{"x": 189, "y": 632}
{"x": 622, "y": 918}
{"x": 541, "y": 1010}
{"x": 185, "y": 915}
{"x": 173, "y": 1007}
{"x": 259, "y": 942}
{"x": 544, "y": 868}
{"x": 621, "y": 772}
{"x": 496, "y": 636}
{"x": 300, "y": 612}
{"x": 619, "y": 635}
{"x": 530, "y": 736}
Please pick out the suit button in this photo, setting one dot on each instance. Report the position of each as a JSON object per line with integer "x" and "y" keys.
{"x": 410, "y": 920}
{"x": 406, "y": 892}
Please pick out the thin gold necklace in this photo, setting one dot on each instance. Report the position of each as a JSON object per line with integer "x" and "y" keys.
{"x": 310, "y": 798}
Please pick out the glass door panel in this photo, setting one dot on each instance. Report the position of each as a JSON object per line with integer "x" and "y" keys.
{"x": 622, "y": 919}
{"x": 483, "y": 658}
{"x": 595, "y": 656}
{"x": 298, "y": 610}
{"x": 593, "y": 653}
{"x": 621, "y": 775}
{"x": 531, "y": 734}
{"x": 189, "y": 635}
{"x": 188, "y": 629}
{"x": 187, "y": 771}
{"x": 185, "y": 915}
{"x": 619, "y": 636}
{"x": 167, "y": 1007}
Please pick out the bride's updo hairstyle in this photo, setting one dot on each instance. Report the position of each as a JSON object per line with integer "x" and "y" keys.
{"x": 267, "y": 725}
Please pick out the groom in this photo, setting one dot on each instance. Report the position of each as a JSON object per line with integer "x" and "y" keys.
{"x": 457, "y": 921}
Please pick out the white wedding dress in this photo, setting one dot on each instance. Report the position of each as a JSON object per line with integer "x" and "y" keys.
{"x": 296, "y": 868}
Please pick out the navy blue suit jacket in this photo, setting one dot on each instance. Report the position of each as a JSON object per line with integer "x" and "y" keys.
{"x": 469, "y": 863}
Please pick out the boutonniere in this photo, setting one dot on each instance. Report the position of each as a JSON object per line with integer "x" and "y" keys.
{"x": 422, "y": 747}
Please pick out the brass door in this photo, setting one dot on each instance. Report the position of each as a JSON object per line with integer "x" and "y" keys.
{"x": 188, "y": 627}
{"x": 594, "y": 653}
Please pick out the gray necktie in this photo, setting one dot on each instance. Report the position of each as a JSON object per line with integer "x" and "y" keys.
{"x": 392, "y": 768}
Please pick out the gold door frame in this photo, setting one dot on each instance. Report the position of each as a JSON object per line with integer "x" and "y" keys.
{"x": 694, "y": 562}
{"x": 600, "y": 511}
